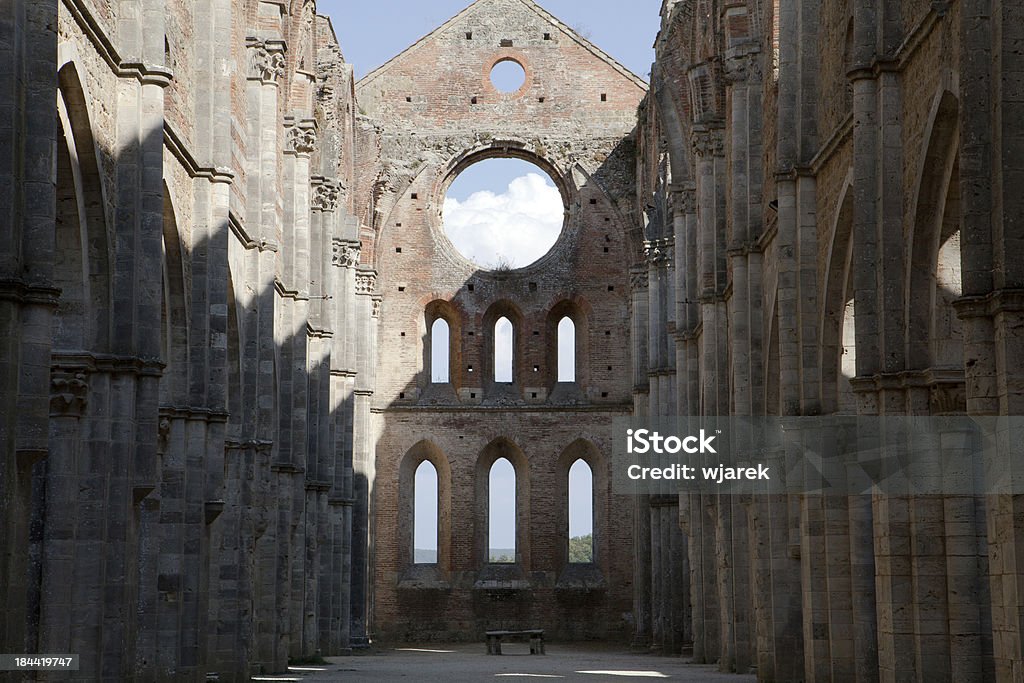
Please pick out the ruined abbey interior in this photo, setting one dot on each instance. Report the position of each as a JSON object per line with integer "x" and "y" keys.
{"x": 222, "y": 270}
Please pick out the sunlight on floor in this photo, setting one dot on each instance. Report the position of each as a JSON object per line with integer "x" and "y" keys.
{"x": 530, "y": 675}
{"x": 421, "y": 649}
{"x": 632, "y": 674}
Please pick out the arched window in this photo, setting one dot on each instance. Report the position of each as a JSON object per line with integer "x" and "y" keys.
{"x": 440, "y": 346}
{"x": 581, "y": 513}
{"x": 501, "y": 512}
{"x": 503, "y": 336}
{"x": 425, "y": 514}
{"x": 566, "y": 350}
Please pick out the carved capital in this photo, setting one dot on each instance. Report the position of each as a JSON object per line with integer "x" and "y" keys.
{"x": 345, "y": 255}
{"x": 638, "y": 279}
{"x": 660, "y": 252}
{"x": 375, "y": 306}
{"x": 742, "y": 67}
{"x": 708, "y": 143}
{"x": 266, "y": 60}
{"x": 325, "y": 196}
{"x": 300, "y": 139}
{"x": 366, "y": 282}
{"x": 69, "y": 393}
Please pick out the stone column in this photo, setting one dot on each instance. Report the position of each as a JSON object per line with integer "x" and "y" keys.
{"x": 28, "y": 124}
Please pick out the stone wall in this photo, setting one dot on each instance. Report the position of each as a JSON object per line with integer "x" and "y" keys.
{"x": 828, "y": 171}
{"x": 179, "y": 328}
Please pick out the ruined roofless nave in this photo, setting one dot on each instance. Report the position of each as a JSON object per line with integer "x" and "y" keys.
{"x": 224, "y": 278}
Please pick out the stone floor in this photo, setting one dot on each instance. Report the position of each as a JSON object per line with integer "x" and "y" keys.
{"x": 468, "y": 662}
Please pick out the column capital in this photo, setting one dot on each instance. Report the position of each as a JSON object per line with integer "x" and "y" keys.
{"x": 266, "y": 60}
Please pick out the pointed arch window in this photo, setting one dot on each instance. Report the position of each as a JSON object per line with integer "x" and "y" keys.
{"x": 440, "y": 352}
{"x": 566, "y": 350}
{"x": 425, "y": 494}
{"x": 504, "y": 335}
{"x": 581, "y": 513}
{"x": 501, "y": 512}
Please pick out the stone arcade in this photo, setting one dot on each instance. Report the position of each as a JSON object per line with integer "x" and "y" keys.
{"x": 221, "y": 261}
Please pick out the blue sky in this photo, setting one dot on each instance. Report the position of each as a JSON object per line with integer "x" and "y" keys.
{"x": 373, "y": 32}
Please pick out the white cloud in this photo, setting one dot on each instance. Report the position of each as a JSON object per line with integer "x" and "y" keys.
{"x": 517, "y": 226}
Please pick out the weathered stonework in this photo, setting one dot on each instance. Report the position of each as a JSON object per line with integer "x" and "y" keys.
{"x": 220, "y": 263}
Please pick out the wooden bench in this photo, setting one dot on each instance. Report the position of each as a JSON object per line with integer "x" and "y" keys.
{"x": 535, "y": 635}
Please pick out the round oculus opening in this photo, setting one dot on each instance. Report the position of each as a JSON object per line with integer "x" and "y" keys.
{"x": 503, "y": 213}
{"x": 508, "y": 76}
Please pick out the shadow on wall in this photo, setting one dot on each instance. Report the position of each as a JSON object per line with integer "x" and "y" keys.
{"x": 526, "y": 580}
{"x": 170, "y": 530}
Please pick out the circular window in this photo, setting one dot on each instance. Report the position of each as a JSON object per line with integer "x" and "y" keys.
{"x": 503, "y": 213}
{"x": 508, "y": 76}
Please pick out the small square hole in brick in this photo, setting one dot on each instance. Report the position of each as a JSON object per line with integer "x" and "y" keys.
{"x": 609, "y": 368}
{"x": 471, "y": 395}
{"x": 472, "y": 100}
{"x": 398, "y": 250}
{"x": 415, "y": 196}
{"x": 398, "y": 225}
{"x": 606, "y": 250}
{"x": 604, "y": 394}
{"x": 401, "y": 394}
{"x": 470, "y": 287}
{"x": 471, "y": 333}
{"x": 533, "y": 394}
{"x": 607, "y": 220}
{"x": 469, "y": 369}
{"x": 533, "y": 286}
{"x": 536, "y": 368}
{"x": 401, "y": 289}
{"x": 506, "y": 42}
{"x": 607, "y": 333}
{"x": 547, "y": 36}
{"x": 401, "y": 334}
{"x": 536, "y": 333}
{"x": 541, "y": 99}
{"x": 593, "y": 201}
{"x": 408, "y": 99}
{"x": 604, "y": 97}
{"x": 611, "y": 288}
{"x": 469, "y": 35}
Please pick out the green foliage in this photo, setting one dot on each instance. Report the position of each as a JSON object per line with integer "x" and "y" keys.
{"x": 581, "y": 549}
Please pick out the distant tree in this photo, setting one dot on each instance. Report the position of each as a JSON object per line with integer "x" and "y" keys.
{"x": 581, "y": 549}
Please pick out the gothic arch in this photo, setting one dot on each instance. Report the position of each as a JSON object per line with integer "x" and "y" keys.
{"x": 835, "y": 388}
{"x": 82, "y": 269}
{"x": 577, "y": 310}
{"x": 175, "y": 333}
{"x": 502, "y": 447}
{"x": 936, "y": 224}
{"x": 425, "y": 451}
{"x": 588, "y": 452}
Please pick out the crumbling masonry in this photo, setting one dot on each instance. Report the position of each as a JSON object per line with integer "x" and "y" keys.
{"x": 221, "y": 259}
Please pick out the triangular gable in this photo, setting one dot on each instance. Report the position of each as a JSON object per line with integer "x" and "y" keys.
{"x": 534, "y": 7}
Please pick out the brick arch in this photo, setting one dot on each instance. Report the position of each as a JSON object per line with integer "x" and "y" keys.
{"x": 505, "y": 148}
{"x": 502, "y": 447}
{"x": 425, "y": 451}
{"x": 576, "y": 309}
{"x": 508, "y": 309}
{"x": 453, "y": 315}
{"x": 588, "y": 452}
